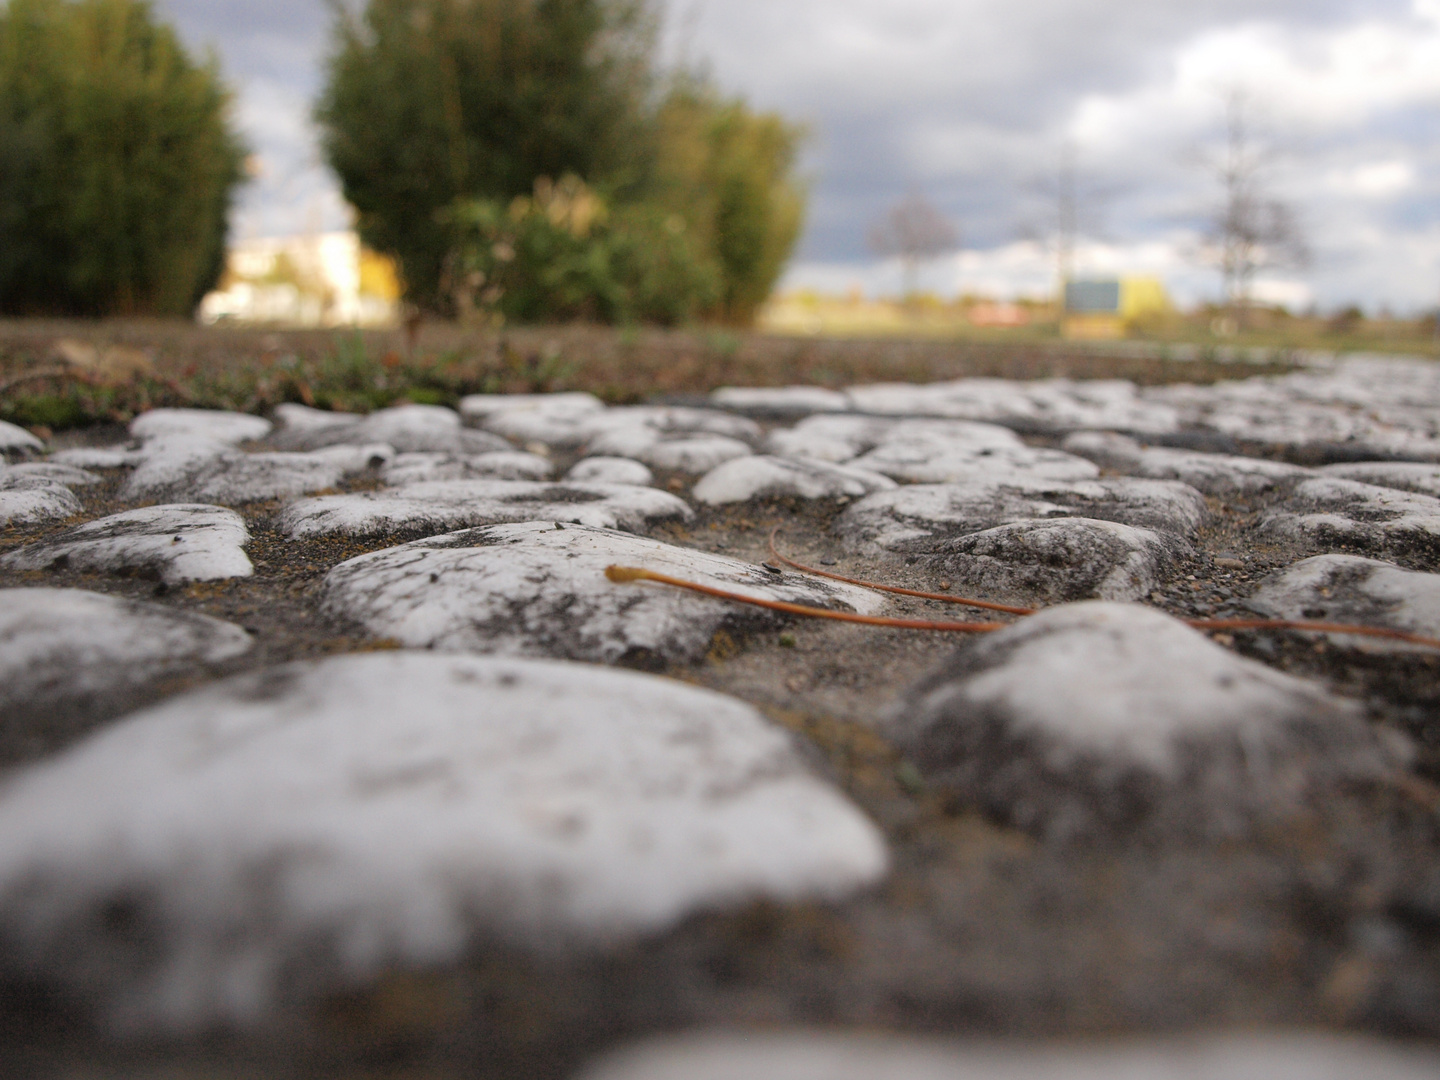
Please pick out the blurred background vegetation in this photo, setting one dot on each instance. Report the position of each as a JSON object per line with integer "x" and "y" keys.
{"x": 523, "y": 164}
{"x": 520, "y": 160}
{"x": 525, "y": 159}
{"x": 117, "y": 162}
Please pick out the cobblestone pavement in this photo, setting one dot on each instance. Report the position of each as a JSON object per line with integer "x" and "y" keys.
{"x": 330, "y": 749}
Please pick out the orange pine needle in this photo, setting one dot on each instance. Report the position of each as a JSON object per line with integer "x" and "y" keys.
{"x": 1199, "y": 624}
{"x": 968, "y": 601}
{"x": 1316, "y": 627}
{"x": 622, "y": 574}
{"x": 633, "y": 573}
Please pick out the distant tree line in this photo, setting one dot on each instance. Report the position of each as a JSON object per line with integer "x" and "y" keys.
{"x": 117, "y": 162}
{"x": 526, "y": 159}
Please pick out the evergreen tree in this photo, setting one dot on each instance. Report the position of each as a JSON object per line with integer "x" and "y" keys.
{"x": 446, "y": 118}
{"x": 730, "y": 172}
{"x": 117, "y": 162}
{"x": 429, "y": 101}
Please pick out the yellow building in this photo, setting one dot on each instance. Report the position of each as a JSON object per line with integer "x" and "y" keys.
{"x": 1105, "y": 308}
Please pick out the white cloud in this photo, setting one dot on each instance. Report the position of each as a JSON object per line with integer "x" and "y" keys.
{"x": 1295, "y": 295}
{"x": 1022, "y": 269}
{"x": 1322, "y": 80}
{"x": 1375, "y": 180}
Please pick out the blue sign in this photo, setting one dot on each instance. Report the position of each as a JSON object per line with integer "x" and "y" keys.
{"x": 1098, "y": 296}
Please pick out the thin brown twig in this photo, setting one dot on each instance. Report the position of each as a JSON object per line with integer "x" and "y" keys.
{"x": 42, "y": 373}
{"x": 1199, "y": 624}
{"x": 176, "y": 387}
{"x": 1416, "y": 789}
{"x": 89, "y": 379}
{"x": 968, "y": 601}
{"x": 1412, "y": 787}
{"x": 1315, "y": 627}
{"x": 621, "y": 574}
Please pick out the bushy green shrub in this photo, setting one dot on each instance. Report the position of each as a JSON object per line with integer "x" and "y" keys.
{"x": 730, "y": 173}
{"x": 562, "y": 254}
{"x": 117, "y": 162}
{"x": 428, "y": 101}
{"x": 442, "y": 112}
{"x": 670, "y": 277}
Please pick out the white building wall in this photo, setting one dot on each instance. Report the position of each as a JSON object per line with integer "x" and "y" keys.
{"x": 325, "y": 291}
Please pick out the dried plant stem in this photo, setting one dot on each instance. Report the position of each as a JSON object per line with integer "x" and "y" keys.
{"x": 620, "y": 574}
{"x": 42, "y": 373}
{"x": 968, "y": 601}
{"x": 924, "y": 624}
{"x": 88, "y": 379}
{"x": 1316, "y": 627}
{"x": 1416, "y": 789}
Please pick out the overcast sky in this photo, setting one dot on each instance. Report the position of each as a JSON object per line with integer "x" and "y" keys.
{"x": 973, "y": 102}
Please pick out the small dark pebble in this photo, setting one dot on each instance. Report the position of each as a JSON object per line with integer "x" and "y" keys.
{"x": 827, "y": 562}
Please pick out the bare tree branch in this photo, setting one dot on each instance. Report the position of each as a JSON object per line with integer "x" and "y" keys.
{"x": 1251, "y": 230}
{"x": 916, "y": 231}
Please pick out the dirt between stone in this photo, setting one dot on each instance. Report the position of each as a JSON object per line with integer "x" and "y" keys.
{"x": 1330, "y": 919}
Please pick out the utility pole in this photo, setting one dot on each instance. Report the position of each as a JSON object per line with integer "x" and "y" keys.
{"x": 1251, "y": 229}
{"x": 1067, "y": 205}
{"x": 1067, "y": 220}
